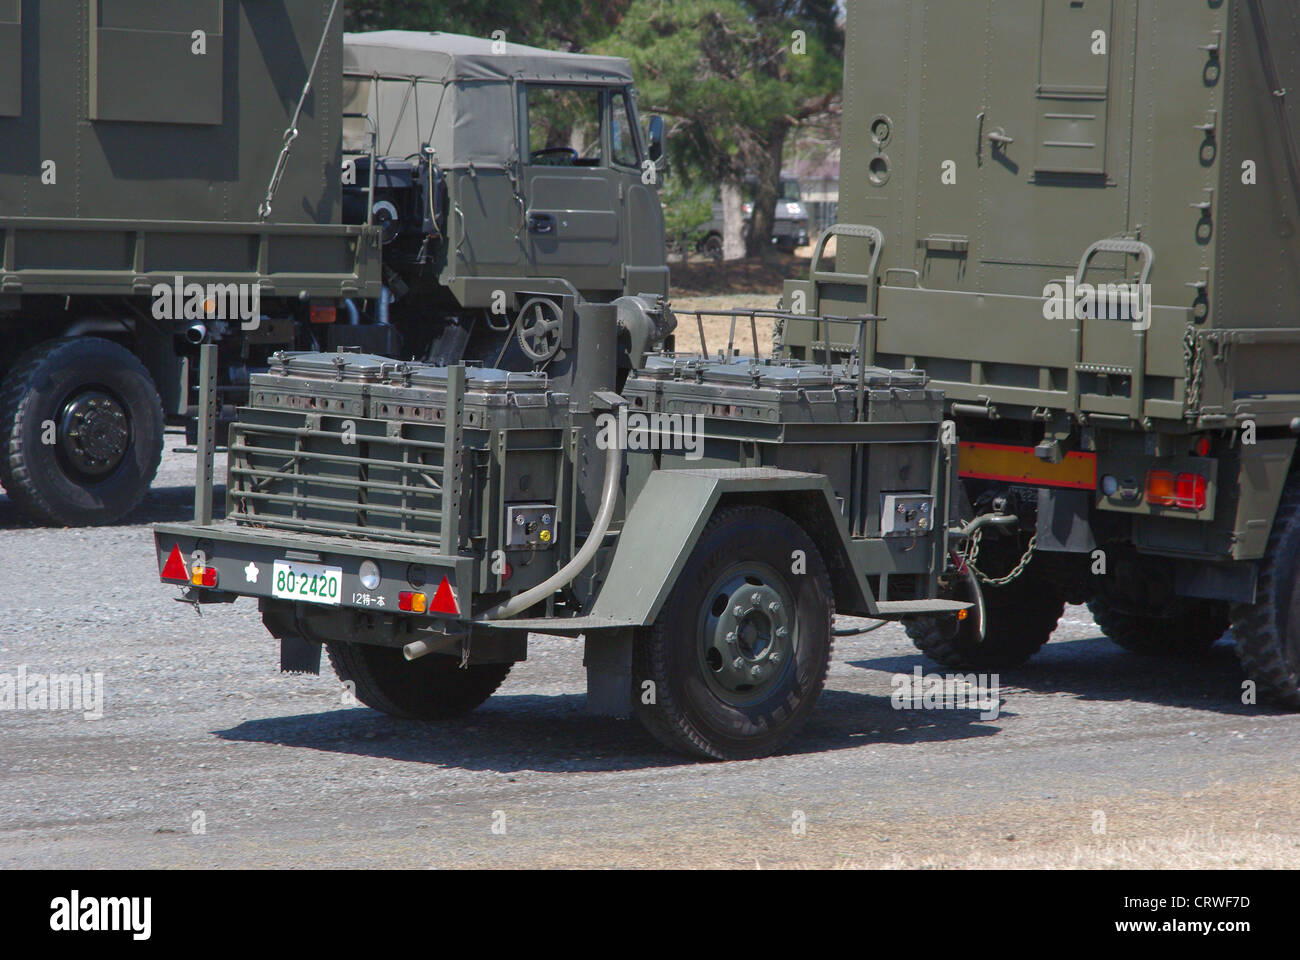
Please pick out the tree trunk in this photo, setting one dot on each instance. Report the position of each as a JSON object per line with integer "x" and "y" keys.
{"x": 767, "y": 170}
{"x": 733, "y": 221}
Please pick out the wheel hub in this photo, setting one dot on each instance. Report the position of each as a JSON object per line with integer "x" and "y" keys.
{"x": 94, "y": 433}
{"x": 747, "y": 641}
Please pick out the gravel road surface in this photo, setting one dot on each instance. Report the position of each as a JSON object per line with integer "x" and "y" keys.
{"x": 206, "y": 756}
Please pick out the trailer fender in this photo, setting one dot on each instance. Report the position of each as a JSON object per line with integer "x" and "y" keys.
{"x": 666, "y": 520}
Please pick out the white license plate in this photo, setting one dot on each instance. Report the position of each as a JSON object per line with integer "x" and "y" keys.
{"x": 307, "y": 581}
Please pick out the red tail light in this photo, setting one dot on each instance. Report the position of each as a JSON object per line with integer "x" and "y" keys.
{"x": 1192, "y": 488}
{"x": 1187, "y": 491}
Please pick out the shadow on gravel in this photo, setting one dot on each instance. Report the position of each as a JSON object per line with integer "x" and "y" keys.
{"x": 162, "y": 505}
{"x": 1096, "y": 669}
{"x": 554, "y": 734}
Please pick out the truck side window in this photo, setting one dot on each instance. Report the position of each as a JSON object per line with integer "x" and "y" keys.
{"x": 564, "y": 126}
{"x": 622, "y": 138}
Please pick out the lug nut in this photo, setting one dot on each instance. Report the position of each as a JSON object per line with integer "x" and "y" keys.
{"x": 738, "y": 663}
{"x": 756, "y": 672}
{"x": 774, "y": 607}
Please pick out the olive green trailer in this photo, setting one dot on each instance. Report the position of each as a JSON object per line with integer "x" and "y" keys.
{"x": 1079, "y": 217}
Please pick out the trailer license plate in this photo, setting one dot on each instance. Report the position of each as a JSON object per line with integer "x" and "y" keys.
{"x": 307, "y": 581}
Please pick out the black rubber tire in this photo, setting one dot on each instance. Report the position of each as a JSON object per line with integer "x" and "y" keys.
{"x": 1019, "y": 619}
{"x": 34, "y": 392}
{"x": 686, "y": 715}
{"x": 435, "y": 687}
{"x": 1267, "y": 632}
{"x": 1185, "y": 630}
{"x": 711, "y": 247}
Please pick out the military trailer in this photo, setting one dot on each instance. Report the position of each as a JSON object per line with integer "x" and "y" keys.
{"x": 283, "y": 189}
{"x": 1079, "y": 217}
{"x": 698, "y": 521}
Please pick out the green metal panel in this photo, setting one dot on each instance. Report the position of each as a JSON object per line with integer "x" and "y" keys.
{"x": 11, "y": 58}
{"x": 135, "y": 42}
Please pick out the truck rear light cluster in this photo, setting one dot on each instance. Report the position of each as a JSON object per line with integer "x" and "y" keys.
{"x": 1187, "y": 491}
{"x": 412, "y": 602}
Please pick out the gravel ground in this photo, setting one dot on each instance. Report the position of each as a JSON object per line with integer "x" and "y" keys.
{"x": 1096, "y": 759}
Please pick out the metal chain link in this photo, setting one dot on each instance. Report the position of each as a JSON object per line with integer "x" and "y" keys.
{"x": 973, "y": 551}
{"x": 1193, "y": 363}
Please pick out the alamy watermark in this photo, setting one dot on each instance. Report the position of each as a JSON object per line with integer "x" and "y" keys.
{"x": 682, "y": 432}
{"x": 1102, "y": 301}
{"x": 82, "y": 692}
{"x": 178, "y": 300}
{"x": 922, "y": 691}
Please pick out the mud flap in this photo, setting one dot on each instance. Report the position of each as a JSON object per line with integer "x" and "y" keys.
{"x": 299, "y": 656}
{"x": 608, "y": 658}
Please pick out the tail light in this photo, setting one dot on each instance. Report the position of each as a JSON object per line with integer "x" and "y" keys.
{"x": 1191, "y": 493}
{"x": 202, "y": 576}
{"x": 1187, "y": 491}
{"x": 1161, "y": 488}
{"x": 412, "y": 602}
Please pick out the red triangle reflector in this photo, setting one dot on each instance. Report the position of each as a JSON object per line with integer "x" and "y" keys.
{"x": 444, "y": 601}
{"x": 174, "y": 568}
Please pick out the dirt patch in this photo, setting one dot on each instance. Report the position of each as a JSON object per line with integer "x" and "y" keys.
{"x": 705, "y": 278}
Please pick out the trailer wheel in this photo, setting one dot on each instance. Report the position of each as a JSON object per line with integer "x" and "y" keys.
{"x": 1018, "y": 619}
{"x": 1267, "y": 632}
{"x": 434, "y": 687}
{"x": 736, "y": 659}
{"x": 1187, "y": 630}
{"x": 100, "y": 406}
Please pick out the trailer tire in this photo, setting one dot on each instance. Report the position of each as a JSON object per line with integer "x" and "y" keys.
{"x": 1267, "y": 632}
{"x": 1019, "y": 619}
{"x": 1188, "y": 631}
{"x": 435, "y": 687}
{"x": 738, "y": 592}
{"x": 108, "y": 430}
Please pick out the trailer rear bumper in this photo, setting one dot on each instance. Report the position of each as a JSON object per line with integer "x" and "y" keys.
{"x": 239, "y": 561}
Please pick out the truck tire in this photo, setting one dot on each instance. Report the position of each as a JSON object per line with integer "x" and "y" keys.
{"x": 1267, "y": 632}
{"x": 1019, "y": 619}
{"x": 738, "y": 655}
{"x": 435, "y": 687}
{"x": 1185, "y": 630}
{"x": 108, "y": 430}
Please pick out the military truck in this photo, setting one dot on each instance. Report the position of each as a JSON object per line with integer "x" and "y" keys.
{"x": 1079, "y": 217}
{"x": 789, "y": 222}
{"x": 281, "y": 190}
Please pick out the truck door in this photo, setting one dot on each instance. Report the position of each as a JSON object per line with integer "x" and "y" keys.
{"x": 643, "y": 216}
{"x": 571, "y": 190}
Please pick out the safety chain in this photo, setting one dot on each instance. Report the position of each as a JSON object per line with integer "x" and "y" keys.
{"x": 973, "y": 551}
{"x": 1193, "y": 363}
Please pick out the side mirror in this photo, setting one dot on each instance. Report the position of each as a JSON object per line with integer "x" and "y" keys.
{"x": 655, "y": 139}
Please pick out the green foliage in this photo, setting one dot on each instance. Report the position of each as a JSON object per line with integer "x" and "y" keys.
{"x": 687, "y": 209}
{"x": 726, "y": 73}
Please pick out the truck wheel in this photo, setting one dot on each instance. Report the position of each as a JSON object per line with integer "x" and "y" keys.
{"x": 1019, "y": 619}
{"x": 739, "y": 653}
{"x": 107, "y": 425}
{"x": 1186, "y": 629}
{"x": 1268, "y": 632}
{"x": 711, "y": 247}
{"x": 434, "y": 687}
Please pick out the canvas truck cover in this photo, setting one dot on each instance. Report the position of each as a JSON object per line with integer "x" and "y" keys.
{"x": 438, "y": 88}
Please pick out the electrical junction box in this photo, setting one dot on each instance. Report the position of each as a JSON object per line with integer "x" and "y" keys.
{"x": 906, "y": 514}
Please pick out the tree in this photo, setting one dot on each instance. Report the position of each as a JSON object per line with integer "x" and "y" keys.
{"x": 735, "y": 77}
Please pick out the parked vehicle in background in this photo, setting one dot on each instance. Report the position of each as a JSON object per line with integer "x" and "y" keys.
{"x": 789, "y": 224}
